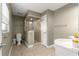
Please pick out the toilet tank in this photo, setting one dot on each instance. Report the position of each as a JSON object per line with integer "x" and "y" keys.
{"x": 18, "y": 35}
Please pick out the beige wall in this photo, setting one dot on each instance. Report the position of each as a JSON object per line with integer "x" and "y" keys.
{"x": 66, "y": 21}
{"x": 18, "y": 25}
{"x": 0, "y": 21}
{"x": 7, "y": 37}
{"x": 0, "y": 28}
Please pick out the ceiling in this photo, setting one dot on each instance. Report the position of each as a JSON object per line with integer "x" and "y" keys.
{"x": 21, "y": 9}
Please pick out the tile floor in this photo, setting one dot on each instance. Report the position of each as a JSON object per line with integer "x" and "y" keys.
{"x": 37, "y": 50}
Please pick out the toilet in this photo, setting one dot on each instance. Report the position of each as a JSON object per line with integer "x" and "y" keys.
{"x": 18, "y": 38}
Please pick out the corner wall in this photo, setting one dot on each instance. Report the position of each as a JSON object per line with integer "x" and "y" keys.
{"x": 50, "y": 27}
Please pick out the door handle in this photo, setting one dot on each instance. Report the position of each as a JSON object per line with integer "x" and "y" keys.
{"x": 2, "y": 45}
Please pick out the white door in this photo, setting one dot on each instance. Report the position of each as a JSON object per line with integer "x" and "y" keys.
{"x": 43, "y": 39}
{"x": 44, "y": 30}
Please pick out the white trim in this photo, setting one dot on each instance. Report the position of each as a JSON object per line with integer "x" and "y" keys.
{"x": 43, "y": 44}
{"x": 10, "y": 51}
{"x": 26, "y": 44}
{"x": 50, "y": 46}
{"x": 29, "y": 46}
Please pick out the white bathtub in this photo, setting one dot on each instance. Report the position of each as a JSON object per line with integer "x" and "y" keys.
{"x": 64, "y": 47}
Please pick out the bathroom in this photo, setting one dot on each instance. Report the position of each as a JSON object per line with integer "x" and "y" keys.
{"x": 30, "y": 30}
{"x": 54, "y": 20}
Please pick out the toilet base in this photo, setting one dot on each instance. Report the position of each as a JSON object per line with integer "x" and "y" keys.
{"x": 18, "y": 43}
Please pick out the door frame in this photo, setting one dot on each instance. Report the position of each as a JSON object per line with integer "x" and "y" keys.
{"x": 0, "y": 28}
{"x": 44, "y": 30}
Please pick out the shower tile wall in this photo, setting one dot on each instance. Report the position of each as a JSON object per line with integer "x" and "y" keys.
{"x": 18, "y": 25}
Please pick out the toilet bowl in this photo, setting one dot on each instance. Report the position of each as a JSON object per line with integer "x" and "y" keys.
{"x": 18, "y": 38}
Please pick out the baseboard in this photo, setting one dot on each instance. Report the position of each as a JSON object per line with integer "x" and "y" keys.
{"x": 10, "y": 51}
{"x": 29, "y": 46}
{"x": 50, "y": 46}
